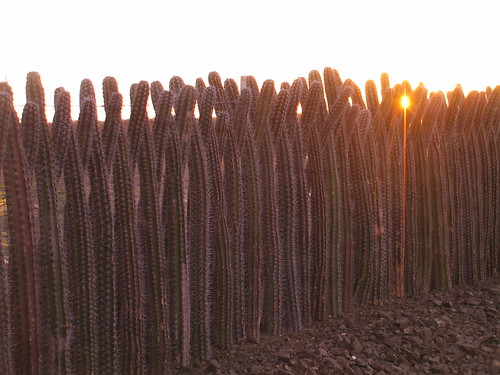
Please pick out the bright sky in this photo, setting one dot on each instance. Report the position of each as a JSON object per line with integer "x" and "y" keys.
{"x": 438, "y": 42}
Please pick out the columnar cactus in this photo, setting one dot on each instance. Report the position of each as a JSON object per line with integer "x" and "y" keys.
{"x": 60, "y": 132}
{"x": 130, "y": 287}
{"x": 22, "y": 273}
{"x": 77, "y": 254}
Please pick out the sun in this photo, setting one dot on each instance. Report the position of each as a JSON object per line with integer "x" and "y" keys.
{"x": 405, "y": 101}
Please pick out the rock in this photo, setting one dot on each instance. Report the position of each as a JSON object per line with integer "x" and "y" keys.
{"x": 305, "y": 354}
{"x": 342, "y": 362}
{"x": 323, "y": 352}
{"x": 495, "y": 290}
{"x": 407, "y": 330}
{"x": 417, "y": 340}
{"x": 393, "y": 341}
{"x": 472, "y": 301}
{"x": 447, "y": 304}
{"x": 357, "y": 370}
{"x": 356, "y": 346}
{"x": 437, "y": 302}
{"x": 428, "y": 323}
{"x": 284, "y": 356}
{"x": 390, "y": 357}
{"x": 213, "y": 366}
{"x": 426, "y": 335}
{"x": 495, "y": 366}
{"x": 440, "y": 322}
{"x": 402, "y": 322}
{"x": 336, "y": 351}
{"x": 440, "y": 368}
{"x": 255, "y": 369}
{"x": 329, "y": 361}
{"x": 406, "y": 367}
{"x": 470, "y": 348}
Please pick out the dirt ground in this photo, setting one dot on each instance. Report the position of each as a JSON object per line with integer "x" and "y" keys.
{"x": 455, "y": 332}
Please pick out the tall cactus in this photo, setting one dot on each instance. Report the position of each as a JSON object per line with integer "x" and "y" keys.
{"x": 60, "y": 132}
{"x": 233, "y": 186}
{"x": 35, "y": 92}
{"x": 77, "y": 252}
{"x": 22, "y": 273}
{"x": 201, "y": 256}
{"x": 129, "y": 284}
{"x": 49, "y": 252}
{"x": 288, "y": 211}
{"x": 252, "y": 221}
{"x": 174, "y": 216}
{"x": 3, "y": 311}
{"x": 103, "y": 239}
{"x": 333, "y": 83}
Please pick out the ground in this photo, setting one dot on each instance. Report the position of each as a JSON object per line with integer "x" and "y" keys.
{"x": 453, "y": 332}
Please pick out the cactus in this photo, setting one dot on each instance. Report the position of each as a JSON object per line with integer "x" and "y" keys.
{"x": 35, "y": 92}
{"x": 21, "y": 271}
{"x": 176, "y": 84}
{"x": 288, "y": 220}
{"x": 200, "y": 88}
{"x": 241, "y": 117}
{"x": 49, "y": 252}
{"x": 264, "y": 105}
{"x": 232, "y": 93}
{"x": 156, "y": 92}
{"x": 201, "y": 256}
{"x": 112, "y": 125}
{"x": 318, "y": 227}
{"x": 252, "y": 230}
{"x": 154, "y": 258}
{"x": 233, "y": 186}
{"x": 87, "y": 121}
{"x": 163, "y": 121}
{"x": 299, "y": 164}
{"x": 270, "y": 237}
{"x": 184, "y": 113}
{"x": 371, "y": 96}
{"x": 130, "y": 287}
{"x": 101, "y": 221}
{"x": 278, "y": 115}
{"x": 221, "y": 102}
{"x": 285, "y": 86}
{"x": 222, "y": 287}
{"x": 109, "y": 87}
{"x": 60, "y": 132}
{"x": 137, "y": 121}
{"x": 384, "y": 84}
{"x": 4, "y": 342}
{"x": 76, "y": 260}
{"x": 174, "y": 218}
{"x": 333, "y": 83}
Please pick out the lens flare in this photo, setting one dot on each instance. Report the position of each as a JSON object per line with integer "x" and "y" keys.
{"x": 405, "y": 101}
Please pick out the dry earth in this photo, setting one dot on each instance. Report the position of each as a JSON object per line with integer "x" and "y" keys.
{"x": 454, "y": 332}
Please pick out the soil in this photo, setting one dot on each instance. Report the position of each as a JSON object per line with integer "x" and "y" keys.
{"x": 455, "y": 332}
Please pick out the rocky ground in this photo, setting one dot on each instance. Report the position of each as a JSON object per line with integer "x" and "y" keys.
{"x": 449, "y": 333}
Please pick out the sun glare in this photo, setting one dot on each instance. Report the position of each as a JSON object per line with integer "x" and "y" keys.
{"x": 299, "y": 109}
{"x": 405, "y": 101}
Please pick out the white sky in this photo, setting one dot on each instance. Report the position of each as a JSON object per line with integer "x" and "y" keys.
{"x": 438, "y": 42}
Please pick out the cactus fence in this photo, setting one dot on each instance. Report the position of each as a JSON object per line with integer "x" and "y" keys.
{"x": 133, "y": 247}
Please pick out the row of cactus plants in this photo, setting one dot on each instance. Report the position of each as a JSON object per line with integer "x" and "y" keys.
{"x": 135, "y": 246}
